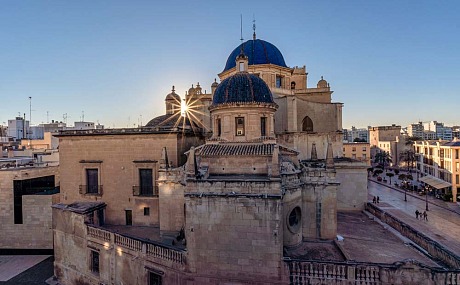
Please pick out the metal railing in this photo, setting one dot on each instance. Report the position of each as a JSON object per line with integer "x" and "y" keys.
{"x": 91, "y": 190}
{"x": 145, "y": 191}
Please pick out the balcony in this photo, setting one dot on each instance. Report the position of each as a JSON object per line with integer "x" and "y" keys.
{"x": 148, "y": 249}
{"x": 145, "y": 191}
{"x": 95, "y": 190}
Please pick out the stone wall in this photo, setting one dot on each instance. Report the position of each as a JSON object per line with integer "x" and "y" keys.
{"x": 234, "y": 238}
{"x": 35, "y": 232}
{"x": 302, "y": 142}
{"x": 122, "y": 260}
{"x": 352, "y": 192}
{"x": 435, "y": 249}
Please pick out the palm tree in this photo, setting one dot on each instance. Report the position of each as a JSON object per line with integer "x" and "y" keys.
{"x": 408, "y": 156}
{"x": 383, "y": 158}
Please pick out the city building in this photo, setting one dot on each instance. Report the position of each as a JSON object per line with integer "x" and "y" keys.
{"x": 351, "y": 135}
{"x": 442, "y": 132}
{"x": 29, "y": 185}
{"x": 388, "y": 139}
{"x": 358, "y": 151}
{"x": 416, "y": 130}
{"x": 18, "y": 128}
{"x": 439, "y": 164}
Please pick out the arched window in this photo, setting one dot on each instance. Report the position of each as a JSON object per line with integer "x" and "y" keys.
{"x": 292, "y": 85}
{"x": 307, "y": 125}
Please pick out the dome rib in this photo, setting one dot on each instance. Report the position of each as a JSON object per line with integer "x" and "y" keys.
{"x": 242, "y": 87}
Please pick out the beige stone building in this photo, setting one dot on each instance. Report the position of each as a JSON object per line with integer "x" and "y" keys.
{"x": 27, "y": 191}
{"x": 439, "y": 164}
{"x": 358, "y": 151}
{"x": 257, "y": 202}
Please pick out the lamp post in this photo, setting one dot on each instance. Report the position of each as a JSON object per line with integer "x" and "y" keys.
{"x": 405, "y": 193}
{"x": 426, "y": 199}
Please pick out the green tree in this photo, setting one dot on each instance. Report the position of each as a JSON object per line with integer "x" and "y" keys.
{"x": 370, "y": 170}
{"x": 359, "y": 140}
{"x": 396, "y": 171}
{"x": 383, "y": 158}
{"x": 378, "y": 171}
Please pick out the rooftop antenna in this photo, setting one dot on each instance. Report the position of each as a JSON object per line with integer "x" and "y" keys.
{"x": 241, "y": 29}
{"x": 254, "y": 26}
{"x": 82, "y": 116}
{"x": 30, "y": 116}
{"x": 47, "y": 117}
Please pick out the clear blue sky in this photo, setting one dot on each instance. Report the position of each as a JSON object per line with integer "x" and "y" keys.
{"x": 387, "y": 61}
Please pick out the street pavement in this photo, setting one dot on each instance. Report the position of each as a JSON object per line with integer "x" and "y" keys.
{"x": 443, "y": 223}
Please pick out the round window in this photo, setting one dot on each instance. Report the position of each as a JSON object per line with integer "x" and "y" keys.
{"x": 294, "y": 220}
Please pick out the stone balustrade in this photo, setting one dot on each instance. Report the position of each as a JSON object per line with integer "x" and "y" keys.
{"x": 149, "y": 248}
{"x": 127, "y": 242}
{"x": 98, "y": 233}
{"x": 409, "y": 272}
{"x": 166, "y": 253}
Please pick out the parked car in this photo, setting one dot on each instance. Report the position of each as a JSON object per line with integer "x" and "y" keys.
{"x": 379, "y": 178}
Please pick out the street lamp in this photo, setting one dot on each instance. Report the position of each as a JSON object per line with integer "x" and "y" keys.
{"x": 426, "y": 199}
{"x": 405, "y": 193}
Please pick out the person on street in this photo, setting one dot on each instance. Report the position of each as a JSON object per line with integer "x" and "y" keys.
{"x": 425, "y": 216}
{"x": 417, "y": 213}
{"x": 378, "y": 199}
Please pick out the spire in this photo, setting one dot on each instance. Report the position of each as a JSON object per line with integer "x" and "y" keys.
{"x": 314, "y": 154}
{"x": 329, "y": 156}
{"x": 254, "y": 27}
{"x": 164, "y": 163}
{"x": 275, "y": 161}
{"x": 191, "y": 167}
{"x": 173, "y": 89}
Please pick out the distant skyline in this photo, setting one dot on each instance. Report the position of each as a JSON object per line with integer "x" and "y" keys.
{"x": 389, "y": 62}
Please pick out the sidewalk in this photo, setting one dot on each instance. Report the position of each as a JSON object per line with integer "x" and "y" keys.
{"x": 450, "y": 206}
{"x": 443, "y": 223}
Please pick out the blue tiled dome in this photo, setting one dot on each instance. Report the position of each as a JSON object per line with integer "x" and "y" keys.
{"x": 258, "y": 52}
{"x": 242, "y": 87}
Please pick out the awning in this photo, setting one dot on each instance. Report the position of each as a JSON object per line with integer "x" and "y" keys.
{"x": 435, "y": 182}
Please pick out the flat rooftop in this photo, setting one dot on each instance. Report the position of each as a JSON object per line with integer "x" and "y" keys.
{"x": 364, "y": 240}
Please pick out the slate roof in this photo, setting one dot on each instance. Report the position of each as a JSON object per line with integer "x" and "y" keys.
{"x": 258, "y": 52}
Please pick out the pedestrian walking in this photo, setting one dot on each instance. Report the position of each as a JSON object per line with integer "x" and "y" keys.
{"x": 425, "y": 216}
{"x": 417, "y": 213}
{"x": 378, "y": 199}
{"x": 374, "y": 200}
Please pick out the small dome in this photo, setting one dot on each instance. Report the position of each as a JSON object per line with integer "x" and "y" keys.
{"x": 214, "y": 84}
{"x": 242, "y": 87}
{"x": 173, "y": 96}
{"x": 169, "y": 121}
{"x": 322, "y": 83}
{"x": 258, "y": 52}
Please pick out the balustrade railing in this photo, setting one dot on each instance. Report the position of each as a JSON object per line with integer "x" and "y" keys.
{"x": 166, "y": 253}
{"x": 127, "y": 242}
{"x": 149, "y": 248}
{"x": 98, "y": 233}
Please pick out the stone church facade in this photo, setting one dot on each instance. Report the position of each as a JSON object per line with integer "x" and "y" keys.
{"x": 217, "y": 197}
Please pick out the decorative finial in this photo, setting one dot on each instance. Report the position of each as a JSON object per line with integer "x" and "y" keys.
{"x": 321, "y": 77}
{"x": 254, "y": 26}
{"x": 215, "y": 80}
{"x": 192, "y": 85}
{"x": 173, "y": 89}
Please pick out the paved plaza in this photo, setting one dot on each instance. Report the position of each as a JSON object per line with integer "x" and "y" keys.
{"x": 443, "y": 224}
